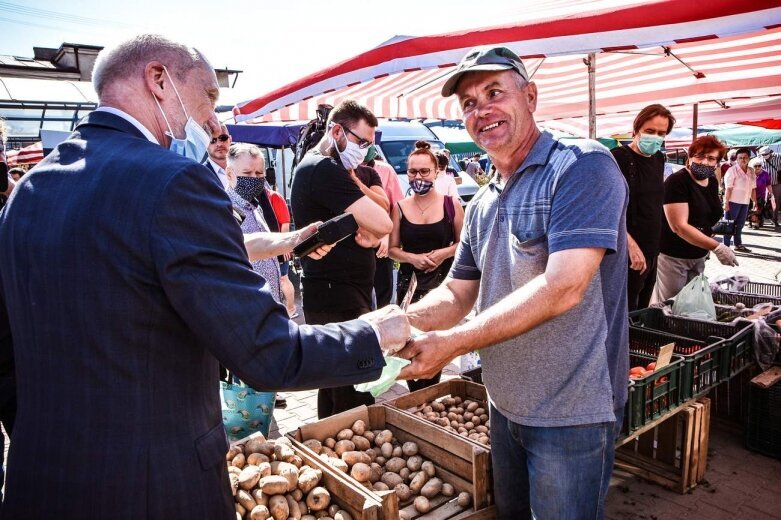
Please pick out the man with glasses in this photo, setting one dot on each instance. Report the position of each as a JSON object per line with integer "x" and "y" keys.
{"x": 217, "y": 160}
{"x": 339, "y": 286}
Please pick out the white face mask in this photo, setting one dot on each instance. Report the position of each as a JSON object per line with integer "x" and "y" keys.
{"x": 352, "y": 156}
{"x": 195, "y": 141}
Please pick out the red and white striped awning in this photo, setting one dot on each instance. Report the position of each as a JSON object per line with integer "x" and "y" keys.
{"x": 32, "y": 154}
{"x": 719, "y": 54}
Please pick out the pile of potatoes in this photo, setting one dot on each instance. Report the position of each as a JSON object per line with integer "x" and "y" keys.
{"x": 270, "y": 481}
{"x": 465, "y": 417}
{"x": 380, "y": 463}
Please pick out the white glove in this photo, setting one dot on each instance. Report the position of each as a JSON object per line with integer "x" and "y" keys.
{"x": 725, "y": 255}
{"x": 392, "y": 328}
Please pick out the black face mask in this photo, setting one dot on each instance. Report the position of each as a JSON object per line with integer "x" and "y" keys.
{"x": 702, "y": 171}
{"x": 250, "y": 188}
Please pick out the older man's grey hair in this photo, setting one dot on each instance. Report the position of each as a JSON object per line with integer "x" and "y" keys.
{"x": 238, "y": 150}
{"x": 129, "y": 58}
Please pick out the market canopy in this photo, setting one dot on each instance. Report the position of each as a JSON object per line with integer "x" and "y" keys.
{"x": 723, "y": 55}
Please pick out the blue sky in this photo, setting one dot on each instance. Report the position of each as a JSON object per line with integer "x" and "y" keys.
{"x": 273, "y": 42}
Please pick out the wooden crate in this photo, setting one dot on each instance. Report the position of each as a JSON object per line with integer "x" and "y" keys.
{"x": 462, "y": 464}
{"x": 354, "y": 501}
{"x": 674, "y": 453}
{"x": 410, "y": 403}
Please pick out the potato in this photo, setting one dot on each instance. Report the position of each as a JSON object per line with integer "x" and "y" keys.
{"x": 302, "y": 507}
{"x": 369, "y": 435}
{"x": 422, "y": 505}
{"x": 234, "y": 481}
{"x": 448, "y": 490}
{"x": 472, "y": 406}
{"x": 266, "y": 448}
{"x": 314, "y": 445}
{"x": 429, "y": 468}
{"x": 418, "y": 482}
{"x": 278, "y": 507}
{"x": 259, "y": 513}
{"x": 239, "y": 461}
{"x": 232, "y": 452}
{"x": 256, "y": 459}
{"x": 404, "y": 473}
{"x": 443, "y": 421}
{"x": 345, "y": 435}
{"x": 468, "y": 416}
{"x": 380, "y": 486}
{"x": 344, "y": 445}
{"x": 273, "y": 485}
{"x": 387, "y": 450}
{"x": 254, "y": 445}
{"x": 233, "y": 470}
{"x": 245, "y": 499}
{"x": 330, "y": 442}
{"x": 309, "y": 479}
{"x": 332, "y": 509}
{"x": 479, "y": 411}
{"x": 403, "y": 515}
{"x": 297, "y": 494}
{"x": 259, "y": 497}
{"x": 249, "y": 477}
{"x": 392, "y": 479}
{"x": 397, "y": 452}
{"x": 437, "y": 406}
{"x": 240, "y": 509}
{"x": 432, "y": 488}
{"x": 361, "y": 472}
{"x": 484, "y": 418}
{"x": 283, "y": 452}
{"x": 464, "y": 499}
{"x": 361, "y": 443}
{"x": 328, "y": 452}
{"x": 293, "y": 509}
{"x": 288, "y": 471}
{"x": 309, "y": 517}
{"x": 354, "y": 457}
{"x": 415, "y": 462}
{"x": 481, "y": 429}
{"x": 318, "y": 499}
{"x": 376, "y": 472}
{"x": 383, "y": 437}
{"x": 448, "y": 401}
{"x": 403, "y": 492}
{"x": 339, "y": 464}
{"x": 395, "y": 464}
{"x": 381, "y": 460}
{"x": 342, "y": 515}
{"x": 409, "y": 449}
{"x": 265, "y": 469}
{"x": 358, "y": 427}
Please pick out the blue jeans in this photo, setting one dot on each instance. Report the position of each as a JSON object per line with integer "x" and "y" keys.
{"x": 738, "y": 213}
{"x": 551, "y": 473}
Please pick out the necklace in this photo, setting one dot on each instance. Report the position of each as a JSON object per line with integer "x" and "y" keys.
{"x": 421, "y": 209}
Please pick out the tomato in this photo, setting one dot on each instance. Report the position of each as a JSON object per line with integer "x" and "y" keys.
{"x": 651, "y": 366}
{"x": 636, "y": 371}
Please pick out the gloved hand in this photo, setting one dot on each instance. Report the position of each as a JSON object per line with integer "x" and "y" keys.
{"x": 393, "y": 327}
{"x": 725, "y": 255}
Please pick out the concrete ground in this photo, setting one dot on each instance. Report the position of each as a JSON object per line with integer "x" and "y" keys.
{"x": 739, "y": 484}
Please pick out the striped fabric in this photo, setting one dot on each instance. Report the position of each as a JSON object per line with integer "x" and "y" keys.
{"x": 732, "y": 49}
{"x": 28, "y": 155}
{"x": 773, "y": 167}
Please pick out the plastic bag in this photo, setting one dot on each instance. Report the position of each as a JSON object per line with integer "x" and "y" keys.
{"x": 766, "y": 344}
{"x": 695, "y": 300}
{"x": 390, "y": 372}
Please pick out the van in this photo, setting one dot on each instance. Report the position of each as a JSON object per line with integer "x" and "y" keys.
{"x": 397, "y": 141}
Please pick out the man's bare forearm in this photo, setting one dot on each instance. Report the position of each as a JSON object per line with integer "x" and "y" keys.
{"x": 264, "y": 245}
{"x": 442, "y": 308}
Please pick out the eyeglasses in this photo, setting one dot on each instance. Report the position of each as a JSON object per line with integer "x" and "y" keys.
{"x": 362, "y": 143}
{"x": 423, "y": 172}
{"x": 708, "y": 158}
{"x": 221, "y": 138}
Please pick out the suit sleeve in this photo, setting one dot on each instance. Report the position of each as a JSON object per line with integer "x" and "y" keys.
{"x": 202, "y": 264}
{"x": 6, "y": 344}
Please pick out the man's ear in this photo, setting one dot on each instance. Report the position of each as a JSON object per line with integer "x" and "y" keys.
{"x": 531, "y": 93}
{"x": 156, "y": 79}
{"x": 231, "y": 175}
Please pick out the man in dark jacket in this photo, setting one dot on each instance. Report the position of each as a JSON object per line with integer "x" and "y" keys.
{"x": 124, "y": 281}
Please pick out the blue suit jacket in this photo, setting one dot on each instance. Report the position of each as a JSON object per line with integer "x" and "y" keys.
{"x": 124, "y": 280}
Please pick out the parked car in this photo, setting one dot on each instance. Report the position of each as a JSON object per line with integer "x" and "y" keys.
{"x": 397, "y": 142}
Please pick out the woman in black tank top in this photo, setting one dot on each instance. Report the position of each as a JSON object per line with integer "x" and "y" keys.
{"x": 426, "y": 229}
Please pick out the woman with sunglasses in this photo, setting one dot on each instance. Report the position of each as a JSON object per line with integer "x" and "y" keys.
{"x": 691, "y": 208}
{"x": 426, "y": 229}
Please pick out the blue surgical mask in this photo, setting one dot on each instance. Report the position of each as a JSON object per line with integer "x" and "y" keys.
{"x": 650, "y": 144}
{"x": 195, "y": 141}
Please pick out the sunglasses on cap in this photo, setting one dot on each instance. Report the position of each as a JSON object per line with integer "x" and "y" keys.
{"x": 221, "y": 138}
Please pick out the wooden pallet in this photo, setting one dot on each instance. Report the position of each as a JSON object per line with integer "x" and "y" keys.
{"x": 674, "y": 453}
{"x": 458, "y": 462}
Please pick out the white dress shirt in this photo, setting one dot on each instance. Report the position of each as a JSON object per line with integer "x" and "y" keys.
{"x": 220, "y": 173}
{"x": 130, "y": 119}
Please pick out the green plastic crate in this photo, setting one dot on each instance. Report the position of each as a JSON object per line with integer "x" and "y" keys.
{"x": 654, "y": 395}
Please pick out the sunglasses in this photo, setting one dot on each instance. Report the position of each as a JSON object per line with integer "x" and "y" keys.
{"x": 221, "y": 138}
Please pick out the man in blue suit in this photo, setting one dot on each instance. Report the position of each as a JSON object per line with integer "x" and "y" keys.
{"x": 123, "y": 281}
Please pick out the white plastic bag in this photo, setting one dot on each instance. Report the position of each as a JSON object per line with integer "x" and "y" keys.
{"x": 695, "y": 300}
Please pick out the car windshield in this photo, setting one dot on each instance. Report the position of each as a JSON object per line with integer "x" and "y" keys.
{"x": 396, "y": 152}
